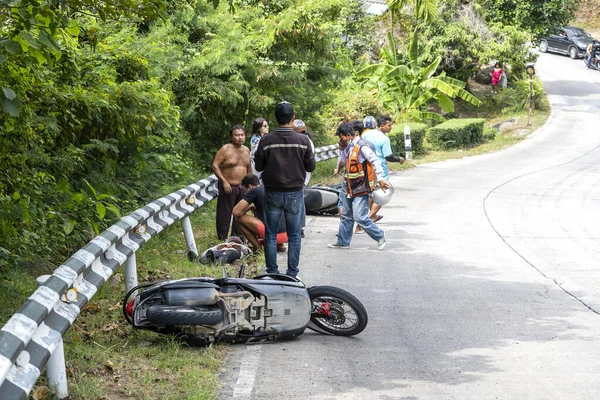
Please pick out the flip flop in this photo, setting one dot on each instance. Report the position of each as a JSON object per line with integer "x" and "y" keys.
{"x": 359, "y": 232}
{"x": 379, "y": 218}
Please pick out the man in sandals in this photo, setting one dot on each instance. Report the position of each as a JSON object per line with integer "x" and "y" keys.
{"x": 383, "y": 149}
{"x": 363, "y": 172}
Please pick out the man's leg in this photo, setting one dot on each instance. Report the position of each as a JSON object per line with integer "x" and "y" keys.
{"x": 274, "y": 204}
{"x": 223, "y": 218}
{"x": 347, "y": 223}
{"x": 237, "y": 194}
{"x": 373, "y": 210}
{"x": 248, "y": 226}
{"x": 361, "y": 216}
{"x": 294, "y": 204}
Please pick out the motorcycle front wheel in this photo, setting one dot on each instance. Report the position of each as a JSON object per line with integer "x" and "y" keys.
{"x": 336, "y": 311}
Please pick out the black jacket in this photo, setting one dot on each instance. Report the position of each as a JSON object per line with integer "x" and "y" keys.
{"x": 284, "y": 157}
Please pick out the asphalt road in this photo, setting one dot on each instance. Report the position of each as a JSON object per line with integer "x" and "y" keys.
{"x": 489, "y": 287}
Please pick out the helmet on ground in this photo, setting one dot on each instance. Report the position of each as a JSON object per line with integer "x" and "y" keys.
{"x": 381, "y": 197}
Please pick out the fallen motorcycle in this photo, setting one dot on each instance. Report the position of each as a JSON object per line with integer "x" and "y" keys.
{"x": 266, "y": 307}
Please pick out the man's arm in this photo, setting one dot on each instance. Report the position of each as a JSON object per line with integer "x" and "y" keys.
{"x": 259, "y": 157}
{"x": 241, "y": 208}
{"x": 394, "y": 158}
{"x": 386, "y": 149}
{"x": 216, "y": 167}
{"x": 309, "y": 157}
{"x": 249, "y": 163}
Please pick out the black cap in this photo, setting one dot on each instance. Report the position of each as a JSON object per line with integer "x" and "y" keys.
{"x": 284, "y": 112}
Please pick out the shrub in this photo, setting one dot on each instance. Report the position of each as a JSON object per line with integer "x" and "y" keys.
{"x": 456, "y": 133}
{"x": 489, "y": 134}
{"x": 515, "y": 98}
{"x": 417, "y": 134}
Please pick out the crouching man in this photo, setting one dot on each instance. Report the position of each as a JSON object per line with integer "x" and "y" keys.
{"x": 253, "y": 227}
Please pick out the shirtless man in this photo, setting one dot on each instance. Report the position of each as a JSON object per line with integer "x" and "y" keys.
{"x": 231, "y": 164}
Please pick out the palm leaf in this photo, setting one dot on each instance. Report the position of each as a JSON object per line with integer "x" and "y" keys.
{"x": 427, "y": 10}
{"x": 428, "y": 71}
{"x": 453, "y": 81}
{"x": 446, "y": 104}
{"x": 393, "y": 49}
{"x": 423, "y": 99}
{"x": 438, "y": 84}
{"x": 468, "y": 97}
{"x": 413, "y": 50}
{"x": 431, "y": 116}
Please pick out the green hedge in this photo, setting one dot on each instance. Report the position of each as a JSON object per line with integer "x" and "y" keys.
{"x": 417, "y": 134}
{"x": 456, "y": 133}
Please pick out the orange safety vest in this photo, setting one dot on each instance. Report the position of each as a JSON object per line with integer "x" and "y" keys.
{"x": 360, "y": 177}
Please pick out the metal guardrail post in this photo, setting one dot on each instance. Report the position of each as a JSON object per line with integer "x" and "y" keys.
{"x": 57, "y": 372}
{"x": 131, "y": 280}
{"x": 190, "y": 241}
{"x": 56, "y": 369}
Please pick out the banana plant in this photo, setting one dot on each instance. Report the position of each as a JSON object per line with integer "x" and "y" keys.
{"x": 408, "y": 89}
{"x": 424, "y": 10}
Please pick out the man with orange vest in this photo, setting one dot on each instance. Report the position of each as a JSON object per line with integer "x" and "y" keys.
{"x": 363, "y": 173}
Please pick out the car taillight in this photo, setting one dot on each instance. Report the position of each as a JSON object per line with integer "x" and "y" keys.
{"x": 129, "y": 308}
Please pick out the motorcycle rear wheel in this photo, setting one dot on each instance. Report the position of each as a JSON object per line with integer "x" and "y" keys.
{"x": 347, "y": 316}
{"x": 177, "y": 315}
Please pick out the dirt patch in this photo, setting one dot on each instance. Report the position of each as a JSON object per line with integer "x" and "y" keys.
{"x": 587, "y": 16}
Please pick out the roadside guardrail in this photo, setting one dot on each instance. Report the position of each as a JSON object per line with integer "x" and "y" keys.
{"x": 32, "y": 338}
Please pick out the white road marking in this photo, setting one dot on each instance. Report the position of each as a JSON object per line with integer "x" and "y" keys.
{"x": 245, "y": 383}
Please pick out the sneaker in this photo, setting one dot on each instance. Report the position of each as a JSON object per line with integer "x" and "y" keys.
{"x": 381, "y": 243}
{"x": 337, "y": 246}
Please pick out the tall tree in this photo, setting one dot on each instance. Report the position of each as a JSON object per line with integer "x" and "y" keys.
{"x": 535, "y": 16}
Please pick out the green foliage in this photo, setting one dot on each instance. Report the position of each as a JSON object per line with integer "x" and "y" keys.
{"x": 129, "y": 107}
{"x": 489, "y": 134}
{"x": 350, "y": 101}
{"x": 237, "y": 66}
{"x": 464, "y": 42}
{"x": 511, "y": 46}
{"x": 537, "y": 17}
{"x": 34, "y": 33}
{"x": 457, "y": 45}
{"x": 423, "y": 10}
{"x": 456, "y": 133}
{"x": 407, "y": 88}
{"x": 515, "y": 98}
{"x": 417, "y": 134}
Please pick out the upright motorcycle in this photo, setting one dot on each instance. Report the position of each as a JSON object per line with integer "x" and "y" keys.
{"x": 266, "y": 307}
{"x": 595, "y": 61}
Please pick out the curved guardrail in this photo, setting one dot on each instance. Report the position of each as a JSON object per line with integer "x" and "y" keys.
{"x": 34, "y": 332}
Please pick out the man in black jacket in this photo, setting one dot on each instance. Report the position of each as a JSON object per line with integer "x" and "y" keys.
{"x": 284, "y": 158}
